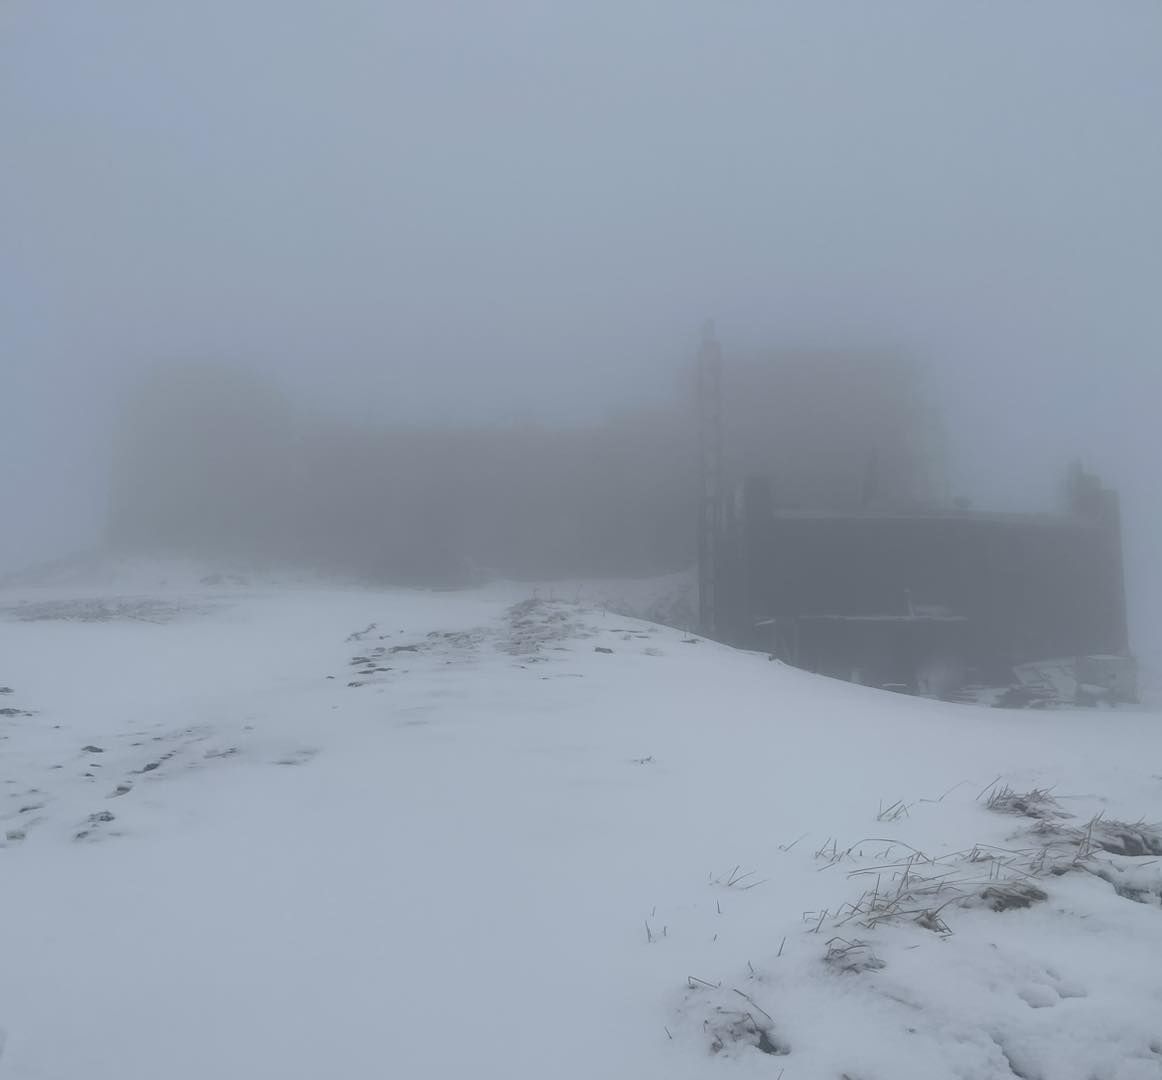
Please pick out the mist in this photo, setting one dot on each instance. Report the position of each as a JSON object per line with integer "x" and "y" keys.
{"x": 464, "y": 217}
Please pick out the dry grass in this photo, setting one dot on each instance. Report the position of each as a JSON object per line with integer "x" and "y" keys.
{"x": 894, "y": 812}
{"x": 851, "y": 957}
{"x": 921, "y": 889}
{"x": 910, "y": 885}
{"x": 739, "y": 879}
{"x": 1038, "y": 803}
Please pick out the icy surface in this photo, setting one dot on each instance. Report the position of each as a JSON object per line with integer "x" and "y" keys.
{"x": 293, "y": 831}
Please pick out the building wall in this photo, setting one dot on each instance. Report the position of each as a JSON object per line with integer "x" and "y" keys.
{"x": 1029, "y": 587}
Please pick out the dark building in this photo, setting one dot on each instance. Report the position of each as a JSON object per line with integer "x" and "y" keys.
{"x": 928, "y": 601}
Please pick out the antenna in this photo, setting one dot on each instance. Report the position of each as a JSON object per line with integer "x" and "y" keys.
{"x": 710, "y": 467}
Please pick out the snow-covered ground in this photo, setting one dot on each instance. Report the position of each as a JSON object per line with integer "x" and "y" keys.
{"x": 309, "y": 831}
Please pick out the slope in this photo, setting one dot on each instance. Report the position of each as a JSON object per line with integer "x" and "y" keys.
{"x": 299, "y": 831}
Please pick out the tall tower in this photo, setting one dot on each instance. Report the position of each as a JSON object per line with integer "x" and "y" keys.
{"x": 710, "y": 522}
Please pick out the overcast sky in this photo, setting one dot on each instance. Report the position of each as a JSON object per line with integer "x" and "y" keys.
{"x": 435, "y": 210}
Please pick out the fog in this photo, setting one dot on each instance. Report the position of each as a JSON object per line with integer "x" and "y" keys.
{"x": 478, "y": 216}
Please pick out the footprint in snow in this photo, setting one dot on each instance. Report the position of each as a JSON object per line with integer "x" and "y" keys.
{"x": 93, "y": 827}
{"x": 296, "y": 757}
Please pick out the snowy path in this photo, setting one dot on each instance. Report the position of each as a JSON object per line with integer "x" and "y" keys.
{"x": 507, "y": 854}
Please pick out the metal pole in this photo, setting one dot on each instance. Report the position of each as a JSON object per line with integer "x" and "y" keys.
{"x": 710, "y": 493}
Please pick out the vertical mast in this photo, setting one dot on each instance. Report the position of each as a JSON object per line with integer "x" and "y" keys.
{"x": 710, "y": 481}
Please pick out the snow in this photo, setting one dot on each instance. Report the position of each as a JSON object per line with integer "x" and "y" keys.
{"x": 512, "y": 855}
